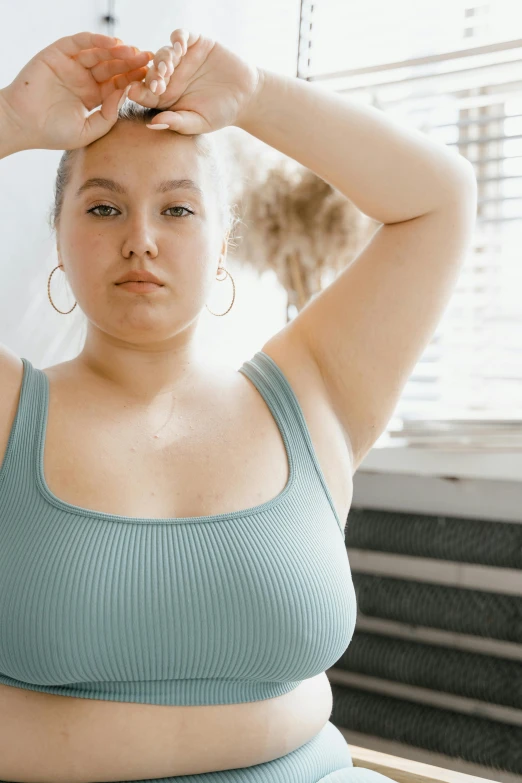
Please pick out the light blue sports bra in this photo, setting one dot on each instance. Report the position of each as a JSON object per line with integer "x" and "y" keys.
{"x": 220, "y": 609}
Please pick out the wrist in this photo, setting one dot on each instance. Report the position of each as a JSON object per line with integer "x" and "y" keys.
{"x": 10, "y": 131}
{"x": 246, "y": 116}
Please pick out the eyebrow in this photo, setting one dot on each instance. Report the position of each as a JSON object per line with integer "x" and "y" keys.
{"x": 163, "y": 187}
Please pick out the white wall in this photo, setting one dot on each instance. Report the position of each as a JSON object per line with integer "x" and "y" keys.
{"x": 263, "y": 31}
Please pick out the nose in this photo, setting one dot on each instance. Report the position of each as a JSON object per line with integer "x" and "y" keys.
{"x": 139, "y": 237}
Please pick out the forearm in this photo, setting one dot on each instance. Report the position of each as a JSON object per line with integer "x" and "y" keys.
{"x": 389, "y": 171}
{"x": 9, "y": 134}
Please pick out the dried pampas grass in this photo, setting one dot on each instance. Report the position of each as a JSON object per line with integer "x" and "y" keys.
{"x": 290, "y": 220}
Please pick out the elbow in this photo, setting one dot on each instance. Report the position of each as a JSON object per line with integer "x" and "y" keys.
{"x": 466, "y": 176}
{"x": 461, "y": 190}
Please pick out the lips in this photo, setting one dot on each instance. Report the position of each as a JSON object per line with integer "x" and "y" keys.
{"x": 140, "y": 287}
{"x": 138, "y": 276}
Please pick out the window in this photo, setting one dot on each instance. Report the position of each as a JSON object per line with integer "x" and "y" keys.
{"x": 451, "y": 69}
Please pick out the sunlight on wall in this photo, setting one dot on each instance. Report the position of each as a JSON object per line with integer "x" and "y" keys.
{"x": 259, "y": 311}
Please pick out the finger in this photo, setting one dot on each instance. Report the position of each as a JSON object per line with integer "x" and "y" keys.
{"x": 185, "y": 122}
{"x": 73, "y": 44}
{"x": 91, "y": 57}
{"x": 70, "y": 65}
{"x": 159, "y": 74}
{"x": 141, "y": 93}
{"x": 123, "y": 80}
{"x": 160, "y": 71}
{"x": 157, "y": 86}
{"x": 185, "y": 38}
{"x": 105, "y": 70}
{"x": 101, "y": 121}
{"x": 155, "y": 83}
{"x": 163, "y": 65}
{"x": 180, "y": 36}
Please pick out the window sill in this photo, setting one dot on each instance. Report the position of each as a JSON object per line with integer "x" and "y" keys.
{"x": 472, "y": 463}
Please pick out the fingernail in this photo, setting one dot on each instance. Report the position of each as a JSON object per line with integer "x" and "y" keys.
{"x": 153, "y": 85}
{"x": 158, "y": 126}
{"x": 162, "y": 68}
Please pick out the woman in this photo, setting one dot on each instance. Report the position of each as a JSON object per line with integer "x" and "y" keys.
{"x": 174, "y": 581}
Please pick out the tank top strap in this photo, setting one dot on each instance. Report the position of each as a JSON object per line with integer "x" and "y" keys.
{"x": 280, "y": 397}
{"x": 20, "y": 455}
{"x": 20, "y": 459}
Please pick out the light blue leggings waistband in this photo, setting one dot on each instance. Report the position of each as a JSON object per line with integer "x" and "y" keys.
{"x": 325, "y": 758}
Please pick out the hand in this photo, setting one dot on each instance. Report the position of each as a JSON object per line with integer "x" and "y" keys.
{"x": 48, "y": 102}
{"x": 203, "y": 87}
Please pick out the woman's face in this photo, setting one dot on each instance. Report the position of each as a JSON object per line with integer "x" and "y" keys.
{"x": 143, "y": 224}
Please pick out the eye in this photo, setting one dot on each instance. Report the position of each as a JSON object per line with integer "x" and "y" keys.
{"x": 185, "y": 208}
{"x": 107, "y": 206}
{"x": 100, "y": 206}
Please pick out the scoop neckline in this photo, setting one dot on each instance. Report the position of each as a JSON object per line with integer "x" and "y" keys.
{"x": 50, "y": 497}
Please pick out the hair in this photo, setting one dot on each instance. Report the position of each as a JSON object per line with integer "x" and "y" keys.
{"x": 205, "y": 145}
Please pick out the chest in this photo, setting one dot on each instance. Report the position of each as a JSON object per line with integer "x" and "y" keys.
{"x": 221, "y": 452}
{"x": 136, "y": 602}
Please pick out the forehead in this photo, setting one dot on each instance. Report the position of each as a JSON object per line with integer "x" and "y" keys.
{"x": 132, "y": 155}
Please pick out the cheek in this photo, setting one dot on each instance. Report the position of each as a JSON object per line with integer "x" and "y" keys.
{"x": 89, "y": 239}
{"x": 80, "y": 243}
{"x": 87, "y": 283}
{"x": 86, "y": 250}
{"x": 87, "y": 273}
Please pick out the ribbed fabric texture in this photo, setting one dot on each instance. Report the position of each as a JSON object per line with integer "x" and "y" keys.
{"x": 217, "y": 609}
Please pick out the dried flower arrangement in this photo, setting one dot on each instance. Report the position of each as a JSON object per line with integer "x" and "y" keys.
{"x": 292, "y": 221}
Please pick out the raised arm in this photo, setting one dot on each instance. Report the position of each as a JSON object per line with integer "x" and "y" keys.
{"x": 391, "y": 172}
{"x": 366, "y": 331}
{"x": 47, "y": 106}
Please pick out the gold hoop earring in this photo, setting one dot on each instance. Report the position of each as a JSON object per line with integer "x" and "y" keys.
{"x": 220, "y": 279}
{"x": 63, "y": 312}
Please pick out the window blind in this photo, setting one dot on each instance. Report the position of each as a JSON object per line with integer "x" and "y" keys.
{"x": 452, "y": 69}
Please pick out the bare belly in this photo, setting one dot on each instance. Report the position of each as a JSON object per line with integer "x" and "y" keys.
{"x": 45, "y": 738}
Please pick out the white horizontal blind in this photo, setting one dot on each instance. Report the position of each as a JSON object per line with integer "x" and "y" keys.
{"x": 452, "y": 69}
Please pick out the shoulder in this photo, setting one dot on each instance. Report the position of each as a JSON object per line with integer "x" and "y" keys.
{"x": 332, "y": 448}
{"x": 304, "y": 376}
{"x": 301, "y": 370}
